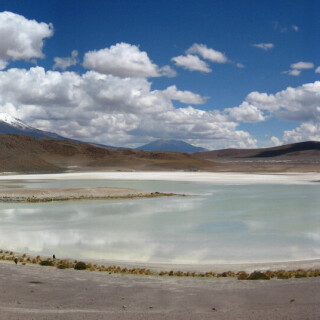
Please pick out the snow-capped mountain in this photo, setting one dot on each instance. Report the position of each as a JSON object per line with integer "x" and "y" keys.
{"x": 11, "y": 125}
{"x": 4, "y": 117}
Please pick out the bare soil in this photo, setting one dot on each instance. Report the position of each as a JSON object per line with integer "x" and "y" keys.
{"x": 20, "y": 153}
{"x": 35, "y": 292}
{"x": 24, "y": 154}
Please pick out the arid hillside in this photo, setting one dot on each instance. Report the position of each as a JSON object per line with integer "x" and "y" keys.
{"x": 301, "y": 150}
{"x": 297, "y": 157}
{"x": 19, "y": 153}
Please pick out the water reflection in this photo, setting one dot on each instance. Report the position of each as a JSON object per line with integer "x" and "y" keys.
{"x": 224, "y": 224}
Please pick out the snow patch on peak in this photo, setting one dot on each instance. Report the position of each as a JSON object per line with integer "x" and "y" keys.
{"x": 7, "y": 118}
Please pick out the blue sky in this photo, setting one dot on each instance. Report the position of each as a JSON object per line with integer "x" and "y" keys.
{"x": 213, "y": 73}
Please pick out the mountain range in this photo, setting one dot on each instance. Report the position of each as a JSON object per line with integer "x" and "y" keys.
{"x": 21, "y": 153}
{"x": 27, "y": 149}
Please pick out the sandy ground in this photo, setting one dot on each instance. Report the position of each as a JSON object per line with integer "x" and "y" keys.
{"x": 34, "y": 292}
{"x": 212, "y": 177}
{"x": 51, "y": 194}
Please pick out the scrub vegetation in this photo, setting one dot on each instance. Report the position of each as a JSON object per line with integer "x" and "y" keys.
{"x": 80, "y": 265}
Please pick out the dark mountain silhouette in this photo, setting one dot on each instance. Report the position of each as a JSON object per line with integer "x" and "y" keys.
{"x": 308, "y": 149}
{"x": 290, "y": 149}
{"x": 170, "y": 145}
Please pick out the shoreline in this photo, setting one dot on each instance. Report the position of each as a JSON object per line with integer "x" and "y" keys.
{"x": 79, "y": 193}
{"x": 160, "y": 269}
{"x": 218, "y": 268}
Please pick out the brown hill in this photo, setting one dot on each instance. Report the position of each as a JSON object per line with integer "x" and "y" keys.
{"x": 297, "y": 157}
{"x": 301, "y": 150}
{"x": 19, "y": 153}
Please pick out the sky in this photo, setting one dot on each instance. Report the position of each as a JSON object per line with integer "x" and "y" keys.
{"x": 215, "y": 74}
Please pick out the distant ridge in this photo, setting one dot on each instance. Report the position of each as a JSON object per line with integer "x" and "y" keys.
{"x": 21, "y": 153}
{"x": 171, "y": 145}
{"x": 290, "y": 149}
{"x": 307, "y": 149}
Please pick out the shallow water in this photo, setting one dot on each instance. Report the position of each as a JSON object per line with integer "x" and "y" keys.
{"x": 219, "y": 223}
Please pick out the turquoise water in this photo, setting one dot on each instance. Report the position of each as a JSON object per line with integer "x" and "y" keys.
{"x": 216, "y": 224}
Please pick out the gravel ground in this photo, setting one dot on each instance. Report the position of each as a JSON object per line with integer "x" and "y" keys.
{"x": 34, "y": 292}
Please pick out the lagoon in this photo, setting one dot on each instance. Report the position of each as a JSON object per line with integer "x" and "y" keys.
{"x": 225, "y": 219}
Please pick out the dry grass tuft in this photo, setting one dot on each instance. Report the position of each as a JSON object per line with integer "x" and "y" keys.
{"x": 242, "y": 275}
{"x": 257, "y": 275}
{"x": 46, "y": 263}
{"x": 78, "y": 265}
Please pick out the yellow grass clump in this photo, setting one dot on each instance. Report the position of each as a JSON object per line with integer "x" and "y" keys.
{"x": 79, "y": 265}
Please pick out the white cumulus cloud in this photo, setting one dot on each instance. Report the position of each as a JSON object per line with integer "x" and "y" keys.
{"x": 246, "y": 113}
{"x": 262, "y": 101}
{"x": 207, "y": 53}
{"x": 192, "y": 63}
{"x": 21, "y": 39}
{"x": 297, "y": 67}
{"x": 167, "y": 71}
{"x": 264, "y": 46}
{"x": 66, "y": 62}
{"x": 3, "y": 64}
{"x": 187, "y": 97}
{"x": 274, "y": 141}
{"x": 293, "y": 72}
{"x": 300, "y": 104}
{"x": 124, "y": 60}
{"x": 305, "y": 132}
{"x": 112, "y": 110}
{"x": 302, "y": 65}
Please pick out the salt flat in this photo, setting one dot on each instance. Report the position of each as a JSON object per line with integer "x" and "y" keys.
{"x": 212, "y": 177}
